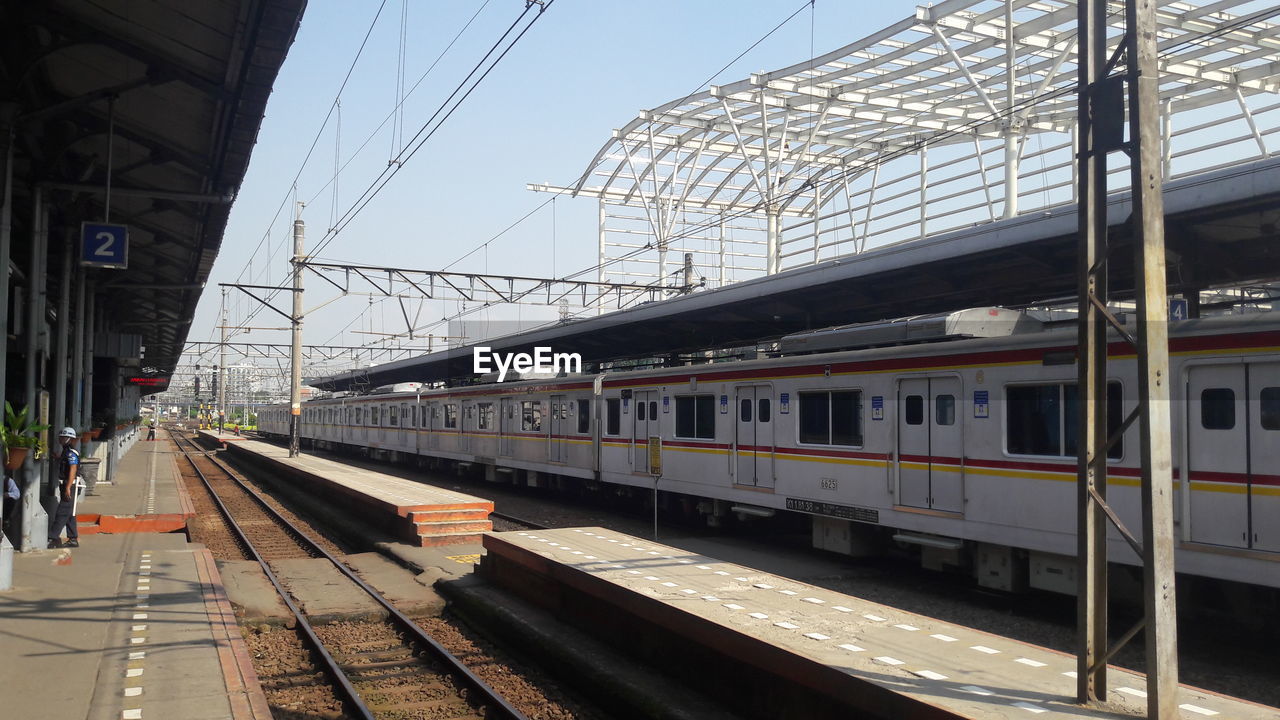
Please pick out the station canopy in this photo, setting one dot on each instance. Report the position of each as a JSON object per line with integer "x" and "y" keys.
{"x": 926, "y": 167}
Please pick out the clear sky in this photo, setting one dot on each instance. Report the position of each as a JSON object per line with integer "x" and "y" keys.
{"x": 585, "y": 68}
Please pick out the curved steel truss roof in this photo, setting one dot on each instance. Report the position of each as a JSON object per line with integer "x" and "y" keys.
{"x": 957, "y": 115}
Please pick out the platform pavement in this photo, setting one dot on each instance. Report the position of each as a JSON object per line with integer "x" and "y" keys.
{"x": 129, "y": 625}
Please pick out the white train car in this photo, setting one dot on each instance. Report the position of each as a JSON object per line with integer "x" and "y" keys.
{"x": 963, "y": 448}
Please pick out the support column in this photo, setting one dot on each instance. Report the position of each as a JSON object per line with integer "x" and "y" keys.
{"x": 222, "y": 366}
{"x": 58, "y": 416}
{"x": 79, "y": 417}
{"x": 771, "y": 241}
{"x": 33, "y": 518}
{"x": 7, "y": 113}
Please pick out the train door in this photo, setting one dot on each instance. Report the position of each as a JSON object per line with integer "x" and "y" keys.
{"x": 507, "y": 425}
{"x": 644, "y": 424}
{"x": 930, "y": 444}
{"x": 753, "y": 438}
{"x": 1264, "y": 456}
{"x": 434, "y": 420}
{"x": 404, "y": 427}
{"x": 559, "y": 426}
{"x": 1218, "y": 454}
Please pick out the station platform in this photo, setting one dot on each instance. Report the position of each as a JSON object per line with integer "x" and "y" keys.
{"x": 779, "y": 647}
{"x": 416, "y": 513}
{"x": 132, "y": 624}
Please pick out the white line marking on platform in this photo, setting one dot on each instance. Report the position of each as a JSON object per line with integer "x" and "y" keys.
{"x": 1131, "y": 691}
{"x": 975, "y": 690}
{"x": 943, "y": 638}
{"x": 139, "y": 628}
{"x": 759, "y": 616}
{"x": 873, "y": 618}
{"x": 687, "y": 591}
{"x": 143, "y": 605}
{"x": 1029, "y": 707}
{"x": 889, "y": 660}
{"x": 711, "y": 598}
{"x": 704, "y": 567}
{"x": 1029, "y": 662}
{"x": 135, "y": 714}
{"x": 787, "y": 626}
{"x": 930, "y": 675}
{"x": 139, "y": 616}
{"x": 633, "y": 572}
{"x": 721, "y": 572}
{"x": 1198, "y": 710}
{"x": 985, "y": 649}
{"x": 653, "y": 552}
{"x": 743, "y": 579}
{"x": 764, "y": 586}
{"x": 852, "y": 648}
{"x": 137, "y": 655}
{"x": 650, "y": 577}
{"x": 591, "y": 557}
{"x": 576, "y": 552}
{"x": 908, "y": 628}
{"x": 842, "y": 608}
{"x": 733, "y": 606}
{"x": 137, "y": 640}
{"x": 1070, "y": 674}
{"x": 670, "y": 584}
{"x": 132, "y": 691}
{"x": 815, "y": 601}
{"x": 144, "y": 572}
{"x": 133, "y": 672}
{"x": 817, "y": 636}
{"x": 787, "y": 592}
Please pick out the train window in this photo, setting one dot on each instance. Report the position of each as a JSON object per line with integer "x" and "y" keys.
{"x": 613, "y": 416}
{"x": 1270, "y": 407}
{"x": 945, "y": 409}
{"x": 450, "y": 415}
{"x": 1218, "y": 408}
{"x": 1033, "y": 417}
{"x": 642, "y": 411}
{"x": 1043, "y": 419}
{"x": 413, "y": 417}
{"x": 484, "y": 419}
{"x": 531, "y": 416}
{"x": 763, "y": 414}
{"x": 831, "y": 418}
{"x": 375, "y": 415}
{"x": 393, "y": 418}
{"x": 696, "y": 416}
{"x": 913, "y": 409}
{"x": 584, "y": 416}
{"x": 745, "y": 414}
{"x": 653, "y": 409}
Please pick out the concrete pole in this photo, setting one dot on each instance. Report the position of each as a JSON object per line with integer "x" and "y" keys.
{"x": 34, "y": 519}
{"x": 7, "y": 112}
{"x": 89, "y": 321}
{"x": 222, "y": 366}
{"x": 1011, "y": 131}
{"x": 295, "y": 350}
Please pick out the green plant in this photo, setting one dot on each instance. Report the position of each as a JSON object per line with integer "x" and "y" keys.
{"x": 19, "y": 431}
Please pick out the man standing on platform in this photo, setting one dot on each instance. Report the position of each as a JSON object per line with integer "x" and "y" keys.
{"x": 151, "y": 429}
{"x": 68, "y": 465}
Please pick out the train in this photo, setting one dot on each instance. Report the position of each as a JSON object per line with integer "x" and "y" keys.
{"x": 951, "y": 437}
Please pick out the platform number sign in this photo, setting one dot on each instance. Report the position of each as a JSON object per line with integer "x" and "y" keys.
{"x": 104, "y": 246}
{"x": 1177, "y": 309}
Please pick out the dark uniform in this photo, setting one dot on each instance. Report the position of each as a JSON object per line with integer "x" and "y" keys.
{"x": 64, "y": 515}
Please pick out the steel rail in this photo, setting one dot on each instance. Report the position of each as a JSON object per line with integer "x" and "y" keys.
{"x": 497, "y": 705}
{"x": 521, "y": 521}
{"x": 332, "y": 667}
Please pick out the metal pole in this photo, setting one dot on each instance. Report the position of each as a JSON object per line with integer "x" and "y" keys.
{"x": 7, "y": 113}
{"x": 59, "y": 416}
{"x": 1091, "y": 522}
{"x": 78, "y": 414}
{"x": 295, "y": 351}
{"x": 1010, "y": 129}
{"x": 1155, "y": 433}
{"x": 35, "y": 521}
{"x": 222, "y": 365}
{"x": 771, "y": 241}
{"x": 90, "y": 322}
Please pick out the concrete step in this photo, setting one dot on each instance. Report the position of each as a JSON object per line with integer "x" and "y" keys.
{"x": 445, "y": 515}
{"x": 454, "y": 526}
{"x": 457, "y": 538}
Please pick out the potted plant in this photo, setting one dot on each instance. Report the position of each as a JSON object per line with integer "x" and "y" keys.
{"x": 19, "y": 436}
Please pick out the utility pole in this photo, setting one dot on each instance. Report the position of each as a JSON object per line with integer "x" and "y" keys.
{"x": 222, "y": 366}
{"x": 295, "y": 351}
{"x": 1101, "y": 122}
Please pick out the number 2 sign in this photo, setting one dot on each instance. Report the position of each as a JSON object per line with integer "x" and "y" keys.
{"x": 104, "y": 246}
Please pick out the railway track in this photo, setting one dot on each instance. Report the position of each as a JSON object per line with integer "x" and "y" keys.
{"x": 377, "y": 670}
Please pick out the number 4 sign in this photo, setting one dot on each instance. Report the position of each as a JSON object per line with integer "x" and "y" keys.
{"x": 104, "y": 246}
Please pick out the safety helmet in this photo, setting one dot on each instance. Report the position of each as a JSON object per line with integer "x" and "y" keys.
{"x": 67, "y": 432}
